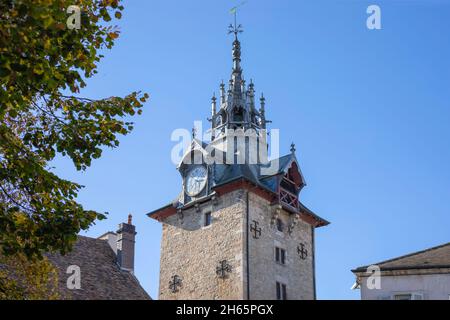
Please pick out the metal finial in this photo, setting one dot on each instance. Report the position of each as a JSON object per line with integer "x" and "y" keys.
{"x": 236, "y": 28}
{"x": 194, "y": 132}
{"x": 251, "y": 86}
{"x": 222, "y": 92}
{"x": 130, "y": 219}
{"x": 293, "y": 147}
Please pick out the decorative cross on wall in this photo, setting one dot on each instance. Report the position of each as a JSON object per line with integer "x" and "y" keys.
{"x": 256, "y": 231}
{"x": 302, "y": 252}
{"x": 175, "y": 284}
{"x": 223, "y": 268}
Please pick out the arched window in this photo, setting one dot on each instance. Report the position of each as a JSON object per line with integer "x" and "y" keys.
{"x": 238, "y": 114}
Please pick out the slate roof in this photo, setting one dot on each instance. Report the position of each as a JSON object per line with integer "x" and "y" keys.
{"x": 283, "y": 161}
{"x": 433, "y": 258}
{"x": 225, "y": 173}
{"x": 101, "y": 277}
{"x": 252, "y": 172}
{"x": 228, "y": 173}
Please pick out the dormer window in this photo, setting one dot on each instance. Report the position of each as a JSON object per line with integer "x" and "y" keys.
{"x": 290, "y": 186}
{"x": 293, "y": 175}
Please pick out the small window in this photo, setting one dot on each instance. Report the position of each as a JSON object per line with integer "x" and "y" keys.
{"x": 417, "y": 296}
{"x": 403, "y": 297}
{"x": 280, "y": 225}
{"x": 207, "y": 219}
{"x": 408, "y": 296}
{"x": 281, "y": 291}
{"x": 280, "y": 255}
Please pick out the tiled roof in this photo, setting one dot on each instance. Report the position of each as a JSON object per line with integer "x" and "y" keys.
{"x": 101, "y": 277}
{"x": 433, "y": 258}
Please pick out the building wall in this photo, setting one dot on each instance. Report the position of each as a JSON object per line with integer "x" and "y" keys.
{"x": 297, "y": 274}
{"x": 193, "y": 252}
{"x": 431, "y": 286}
{"x": 112, "y": 240}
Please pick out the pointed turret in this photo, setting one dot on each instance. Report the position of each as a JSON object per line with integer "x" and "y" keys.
{"x": 222, "y": 94}
{"x": 262, "y": 111}
{"x": 213, "y": 115}
{"x": 238, "y": 108}
{"x": 237, "y": 104}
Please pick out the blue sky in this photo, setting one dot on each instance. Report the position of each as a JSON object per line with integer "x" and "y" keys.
{"x": 368, "y": 110}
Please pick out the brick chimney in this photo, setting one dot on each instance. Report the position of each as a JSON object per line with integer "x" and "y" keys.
{"x": 125, "y": 245}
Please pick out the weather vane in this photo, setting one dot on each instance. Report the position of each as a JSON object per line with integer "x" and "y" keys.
{"x": 236, "y": 29}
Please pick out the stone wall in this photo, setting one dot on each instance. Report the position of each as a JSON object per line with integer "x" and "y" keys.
{"x": 297, "y": 274}
{"x": 193, "y": 252}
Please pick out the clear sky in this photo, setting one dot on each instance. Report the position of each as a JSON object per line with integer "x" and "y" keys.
{"x": 369, "y": 111}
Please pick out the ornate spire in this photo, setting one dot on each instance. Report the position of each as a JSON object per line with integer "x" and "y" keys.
{"x": 263, "y": 103}
{"x": 262, "y": 111}
{"x": 251, "y": 95}
{"x": 237, "y": 102}
{"x": 236, "y": 56}
{"x": 213, "y": 115}
{"x": 236, "y": 29}
{"x": 213, "y": 105}
{"x": 222, "y": 93}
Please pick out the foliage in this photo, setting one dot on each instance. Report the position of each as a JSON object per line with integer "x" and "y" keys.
{"x": 22, "y": 278}
{"x": 43, "y": 66}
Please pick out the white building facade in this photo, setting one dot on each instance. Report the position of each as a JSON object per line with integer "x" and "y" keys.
{"x": 423, "y": 275}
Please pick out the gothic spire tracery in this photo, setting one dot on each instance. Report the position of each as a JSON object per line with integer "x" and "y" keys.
{"x": 237, "y": 104}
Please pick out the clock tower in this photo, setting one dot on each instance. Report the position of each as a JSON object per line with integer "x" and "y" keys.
{"x": 238, "y": 229}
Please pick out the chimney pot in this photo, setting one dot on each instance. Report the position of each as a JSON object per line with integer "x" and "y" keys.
{"x": 125, "y": 245}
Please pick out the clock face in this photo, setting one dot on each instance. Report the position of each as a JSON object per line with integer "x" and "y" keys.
{"x": 196, "y": 181}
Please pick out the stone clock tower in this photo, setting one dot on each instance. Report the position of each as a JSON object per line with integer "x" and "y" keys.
{"x": 238, "y": 229}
